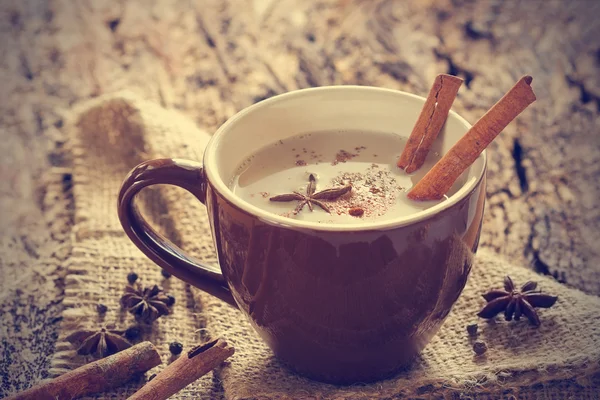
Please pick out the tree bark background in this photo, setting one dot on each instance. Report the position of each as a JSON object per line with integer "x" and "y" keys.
{"x": 211, "y": 58}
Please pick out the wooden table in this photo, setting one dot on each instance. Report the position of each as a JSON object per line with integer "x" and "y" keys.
{"x": 212, "y": 58}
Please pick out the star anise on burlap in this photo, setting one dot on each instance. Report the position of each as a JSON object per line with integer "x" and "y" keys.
{"x": 312, "y": 197}
{"x": 516, "y": 302}
{"x": 99, "y": 343}
{"x": 147, "y": 304}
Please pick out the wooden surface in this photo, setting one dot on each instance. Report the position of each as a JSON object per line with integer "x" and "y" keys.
{"x": 210, "y": 59}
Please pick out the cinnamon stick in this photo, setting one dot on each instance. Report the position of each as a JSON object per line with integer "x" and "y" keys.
{"x": 185, "y": 370}
{"x": 98, "y": 376}
{"x": 445, "y": 172}
{"x": 430, "y": 122}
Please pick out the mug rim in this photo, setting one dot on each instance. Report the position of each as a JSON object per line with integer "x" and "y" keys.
{"x": 210, "y": 171}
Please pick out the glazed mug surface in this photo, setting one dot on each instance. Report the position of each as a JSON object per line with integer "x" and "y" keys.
{"x": 338, "y": 303}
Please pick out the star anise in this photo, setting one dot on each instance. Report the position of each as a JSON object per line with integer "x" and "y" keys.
{"x": 146, "y": 304}
{"x": 516, "y": 302}
{"x": 99, "y": 343}
{"x": 312, "y": 197}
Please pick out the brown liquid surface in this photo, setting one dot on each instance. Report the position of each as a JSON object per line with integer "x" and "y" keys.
{"x": 366, "y": 160}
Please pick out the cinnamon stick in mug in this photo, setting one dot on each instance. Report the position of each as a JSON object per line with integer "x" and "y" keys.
{"x": 445, "y": 172}
{"x": 432, "y": 118}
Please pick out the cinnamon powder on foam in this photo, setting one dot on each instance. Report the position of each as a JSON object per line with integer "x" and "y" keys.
{"x": 374, "y": 191}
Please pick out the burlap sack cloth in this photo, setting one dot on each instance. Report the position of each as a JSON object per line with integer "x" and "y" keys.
{"x": 112, "y": 134}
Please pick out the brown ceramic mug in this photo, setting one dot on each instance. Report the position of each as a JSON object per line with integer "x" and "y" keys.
{"x": 339, "y": 303}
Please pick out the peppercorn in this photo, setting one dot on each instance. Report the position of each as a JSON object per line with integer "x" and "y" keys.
{"x": 165, "y": 273}
{"x": 472, "y": 329}
{"x": 170, "y": 300}
{"x": 132, "y": 277}
{"x": 479, "y": 347}
{"x": 175, "y": 348}
{"x": 101, "y": 308}
{"x": 133, "y": 332}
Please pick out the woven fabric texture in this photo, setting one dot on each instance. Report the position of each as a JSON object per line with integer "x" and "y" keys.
{"x": 112, "y": 134}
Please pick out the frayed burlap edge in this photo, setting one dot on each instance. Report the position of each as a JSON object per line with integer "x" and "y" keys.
{"x": 60, "y": 221}
{"x": 83, "y": 244}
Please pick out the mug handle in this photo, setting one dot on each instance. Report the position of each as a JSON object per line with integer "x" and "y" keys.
{"x": 188, "y": 175}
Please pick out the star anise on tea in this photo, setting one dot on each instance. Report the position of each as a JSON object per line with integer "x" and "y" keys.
{"x": 515, "y": 303}
{"x": 312, "y": 197}
{"x": 147, "y": 304}
{"x": 99, "y": 343}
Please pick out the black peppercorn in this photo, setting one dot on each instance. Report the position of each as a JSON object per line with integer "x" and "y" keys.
{"x": 165, "y": 273}
{"x": 479, "y": 347}
{"x": 175, "y": 348}
{"x": 133, "y": 332}
{"x": 101, "y": 308}
{"x": 472, "y": 329}
{"x": 132, "y": 277}
{"x": 170, "y": 300}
